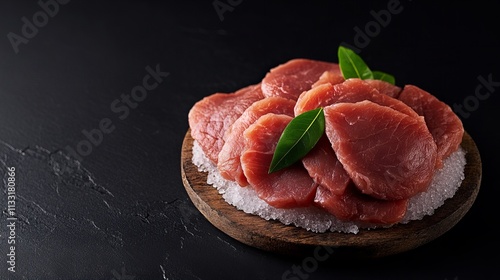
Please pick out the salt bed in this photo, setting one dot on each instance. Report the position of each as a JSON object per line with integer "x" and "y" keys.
{"x": 445, "y": 183}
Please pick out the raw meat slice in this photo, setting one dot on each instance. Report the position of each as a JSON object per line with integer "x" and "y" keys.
{"x": 292, "y": 78}
{"x": 210, "y": 117}
{"x": 326, "y": 170}
{"x": 288, "y": 188}
{"x": 388, "y": 154}
{"x": 385, "y": 87}
{"x": 443, "y": 123}
{"x": 229, "y": 157}
{"x": 332, "y": 77}
{"x": 358, "y": 207}
{"x": 323, "y": 166}
{"x": 335, "y": 77}
{"x": 352, "y": 90}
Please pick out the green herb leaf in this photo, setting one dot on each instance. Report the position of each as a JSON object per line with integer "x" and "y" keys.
{"x": 377, "y": 75}
{"x": 352, "y": 65}
{"x": 304, "y": 131}
{"x": 298, "y": 138}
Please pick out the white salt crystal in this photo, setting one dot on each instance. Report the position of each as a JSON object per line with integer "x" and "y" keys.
{"x": 444, "y": 185}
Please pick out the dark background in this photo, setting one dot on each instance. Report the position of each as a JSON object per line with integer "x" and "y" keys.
{"x": 120, "y": 211}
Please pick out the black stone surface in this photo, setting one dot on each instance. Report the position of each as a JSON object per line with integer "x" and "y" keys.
{"x": 98, "y": 191}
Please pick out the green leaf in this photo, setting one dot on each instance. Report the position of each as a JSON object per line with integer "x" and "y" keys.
{"x": 298, "y": 138}
{"x": 352, "y": 65}
{"x": 377, "y": 75}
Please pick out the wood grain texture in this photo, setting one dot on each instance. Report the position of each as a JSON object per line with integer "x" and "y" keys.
{"x": 276, "y": 237}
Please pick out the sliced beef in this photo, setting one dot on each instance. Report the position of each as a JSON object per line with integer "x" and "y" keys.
{"x": 229, "y": 157}
{"x": 381, "y": 146}
{"x": 287, "y": 188}
{"x": 322, "y": 163}
{"x": 323, "y": 166}
{"x": 331, "y": 77}
{"x": 352, "y": 205}
{"x": 443, "y": 123}
{"x": 388, "y": 154}
{"x": 210, "y": 117}
{"x": 385, "y": 87}
{"x": 352, "y": 90}
{"x": 290, "y": 79}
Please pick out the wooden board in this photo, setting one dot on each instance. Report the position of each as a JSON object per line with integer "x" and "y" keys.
{"x": 290, "y": 240}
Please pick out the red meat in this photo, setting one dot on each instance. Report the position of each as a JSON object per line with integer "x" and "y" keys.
{"x": 385, "y": 87}
{"x": 321, "y": 162}
{"x": 445, "y": 126}
{"x": 388, "y": 154}
{"x": 352, "y": 90}
{"x": 332, "y": 77}
{"x": 355, "y": 206}
{"x": 286, "y": 188}
{"x": 292, "y": 78}
{"x": 210, "y": 117}
{"x": 229, "y": 157}
{"x": 323, "y": 166}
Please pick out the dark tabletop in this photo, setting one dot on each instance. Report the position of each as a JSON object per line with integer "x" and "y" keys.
{"x": 94, "y": 100}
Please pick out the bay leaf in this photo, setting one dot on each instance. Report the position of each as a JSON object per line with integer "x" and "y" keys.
{"x": 298, "y": 138}
{"x": 378, "y": 75}
{"x": 352, "y": 65}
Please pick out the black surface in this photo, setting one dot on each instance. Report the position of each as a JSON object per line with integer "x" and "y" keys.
{"x": 121, "y": 211}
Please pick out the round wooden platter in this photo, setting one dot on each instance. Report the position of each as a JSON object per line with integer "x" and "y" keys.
{"x": 293, "y": 241}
